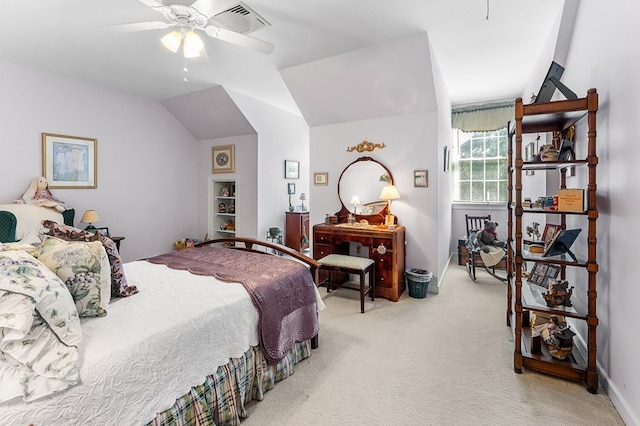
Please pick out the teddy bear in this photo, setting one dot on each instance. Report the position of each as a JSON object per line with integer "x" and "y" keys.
{"x": 487, "y": 237}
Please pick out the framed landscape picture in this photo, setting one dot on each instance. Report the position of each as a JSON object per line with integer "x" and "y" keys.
{"x": 69, "y": 161}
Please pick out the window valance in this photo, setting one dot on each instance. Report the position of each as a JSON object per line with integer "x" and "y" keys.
{"x": 482, "y": 118}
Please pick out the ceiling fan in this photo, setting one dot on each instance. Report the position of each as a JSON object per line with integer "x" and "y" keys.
{"x": 225, "y": 20}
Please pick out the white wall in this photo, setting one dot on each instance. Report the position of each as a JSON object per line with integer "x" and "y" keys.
{"x": 246, "y": 171}
{"x": 146, "y": 176}
{"x": 411, "y": 144}
{"x": 599, "y": 56}
{"x": 281, "y": 136}
{"x": 443, "y": 181}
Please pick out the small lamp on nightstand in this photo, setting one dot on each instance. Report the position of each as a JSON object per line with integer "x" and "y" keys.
{"x": 90, "y": 217}
{"x": 302, "y": 198}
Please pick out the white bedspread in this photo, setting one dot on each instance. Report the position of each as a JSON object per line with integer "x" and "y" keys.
{"x": 150, "y": 349}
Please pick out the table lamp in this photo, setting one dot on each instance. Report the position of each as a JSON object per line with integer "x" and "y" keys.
{"x": 355, "y": 200}
{"x": 389, "y": 192}
{"x": 90, "y": 217}
{"x": 302, "y": 198}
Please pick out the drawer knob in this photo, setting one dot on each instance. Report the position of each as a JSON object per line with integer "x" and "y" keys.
{"x": 381, "y": 249}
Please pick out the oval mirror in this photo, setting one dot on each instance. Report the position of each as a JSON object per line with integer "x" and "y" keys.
{"x": 361, "y": 178}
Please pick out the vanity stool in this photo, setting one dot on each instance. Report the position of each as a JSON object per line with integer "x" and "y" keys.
{"x": 349, "y": 265}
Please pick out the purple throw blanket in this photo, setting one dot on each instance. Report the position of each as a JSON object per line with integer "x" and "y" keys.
{"x": 283, "y": 291}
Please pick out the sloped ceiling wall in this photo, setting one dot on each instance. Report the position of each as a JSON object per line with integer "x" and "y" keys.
{"x": 209, "y": 114}
{"x": 382, "y": 81}
{"x": 386, "y": 80}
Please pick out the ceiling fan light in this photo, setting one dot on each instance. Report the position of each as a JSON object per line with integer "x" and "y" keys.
{"x": 193, "y": 45}
{"x": 172, "y": 41}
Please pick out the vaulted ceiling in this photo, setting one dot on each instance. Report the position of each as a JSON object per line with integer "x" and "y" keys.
{"x": 485, "y": 48}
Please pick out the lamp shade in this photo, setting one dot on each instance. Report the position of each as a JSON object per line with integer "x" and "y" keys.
{"x": 90, "y": 216}
{"x": 303, "y": 196}
{"x": 355, "y": 200}
{"x": 193, "y": 45}
{"x": 389, "y": 192}
{"x": 172, "y": 41}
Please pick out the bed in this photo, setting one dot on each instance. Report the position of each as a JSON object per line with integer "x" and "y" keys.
{"x": 191, "y": 345}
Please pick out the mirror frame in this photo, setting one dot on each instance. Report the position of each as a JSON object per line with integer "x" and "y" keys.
{"x": 374, "y": 219}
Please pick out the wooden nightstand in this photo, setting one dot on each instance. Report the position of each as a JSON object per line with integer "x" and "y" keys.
{"x": 117, "y": 241}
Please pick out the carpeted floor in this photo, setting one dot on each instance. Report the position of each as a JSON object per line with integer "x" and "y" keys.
{"x": 443, "y": 360}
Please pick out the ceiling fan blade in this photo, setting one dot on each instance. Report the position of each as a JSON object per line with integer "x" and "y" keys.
{"x": 151, "y": 3}
{"x": 142, "y": 26}
{"x": 239, "y": 39}
{"x": 210, "y": 8}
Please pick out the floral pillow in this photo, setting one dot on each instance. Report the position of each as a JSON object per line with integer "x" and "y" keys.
{"x": 119, "y": 285}
{"x": 84, "y": 268}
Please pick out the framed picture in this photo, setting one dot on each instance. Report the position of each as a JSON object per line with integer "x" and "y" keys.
{"x": 104, "y": 231}
{"x": 447, "y": 154}
{"x": 291, "y": 188}
{"x": 321, "y": 178}
{"x": 542, "y": 273}
{"x": 549, "y": 232}
{"x": 420, "y": 179}
{"x": 223, "y": 158}
{"x": 69, "y": 161}
{"x": 529, "y": 153}
{"x": 291, "y": 169}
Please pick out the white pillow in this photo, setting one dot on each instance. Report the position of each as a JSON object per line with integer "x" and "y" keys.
{"x": 30, "y": 217}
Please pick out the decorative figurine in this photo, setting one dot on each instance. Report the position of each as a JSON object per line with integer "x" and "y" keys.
{"x": 558, "y": 337}
{"x": 559, "y": 294}
{"x": 533, "y": 231}
{"x": 222, "y": 208}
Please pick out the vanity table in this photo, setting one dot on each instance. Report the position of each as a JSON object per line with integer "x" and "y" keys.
{"x": 362, "y": 178}
{"x": 384, "y": 246}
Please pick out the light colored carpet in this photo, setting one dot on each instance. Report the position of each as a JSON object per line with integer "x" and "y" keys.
{"x": 443, "y": 360}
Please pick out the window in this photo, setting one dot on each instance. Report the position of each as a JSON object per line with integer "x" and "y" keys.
{"x": 480, "y": 166}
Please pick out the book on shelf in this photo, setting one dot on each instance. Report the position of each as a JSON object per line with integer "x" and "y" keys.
{"x": 572, "y": 200}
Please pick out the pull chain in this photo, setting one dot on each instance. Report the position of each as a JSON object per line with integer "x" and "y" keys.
{"x": 487, "y": 18}
{"x": 185, "y": 71}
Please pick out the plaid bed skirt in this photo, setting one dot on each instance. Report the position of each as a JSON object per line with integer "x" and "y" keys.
{"x": 221, "y": 399}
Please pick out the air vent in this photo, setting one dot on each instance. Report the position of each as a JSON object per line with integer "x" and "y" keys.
{"x": 240, "y": 19}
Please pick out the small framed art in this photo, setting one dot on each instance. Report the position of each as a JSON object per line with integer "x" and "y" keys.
{"x": 420, "y": 179}
{"x": 321, "y": 178}
{"x": 223, "y": 159}
{"x": 550, "y": 231}
{"x": 291, "y": 169}
{"x": 104, "y": 231}
{"x": 69, "y": 161}
{"x": 291, "y": 188}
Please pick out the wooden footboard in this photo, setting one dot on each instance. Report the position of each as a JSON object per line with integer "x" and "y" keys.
{"x": 241, "y": 243}
{"x": 257, "y": 246}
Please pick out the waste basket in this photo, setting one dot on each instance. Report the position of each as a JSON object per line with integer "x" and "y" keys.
{"x": 418, "y": 282}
